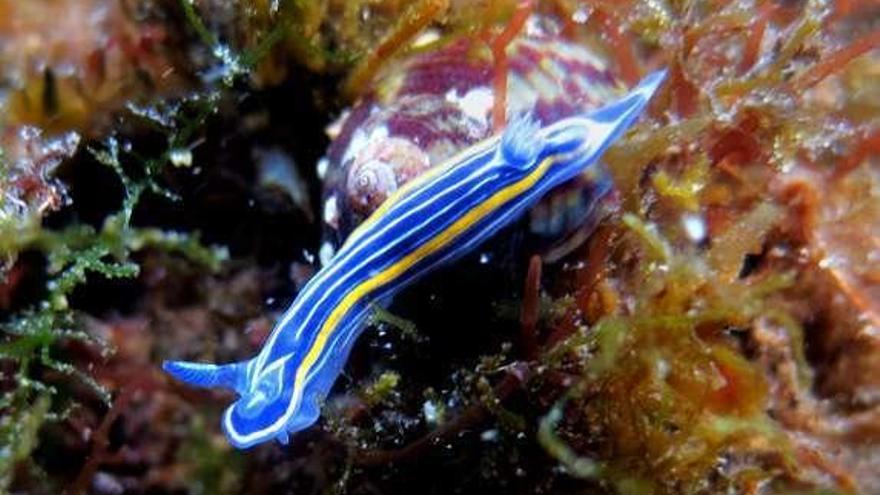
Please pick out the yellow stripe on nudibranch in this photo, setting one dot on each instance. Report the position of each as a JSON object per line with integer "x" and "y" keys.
{"x": 388, "y": 275}
{"x": 400, "y": 267}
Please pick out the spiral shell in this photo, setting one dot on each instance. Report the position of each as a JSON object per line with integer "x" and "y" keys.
{"x": 380, "y": 169}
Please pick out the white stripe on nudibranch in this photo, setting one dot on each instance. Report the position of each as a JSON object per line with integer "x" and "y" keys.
{"x": 433, "y": 219}
{"x": 346, "y": 253}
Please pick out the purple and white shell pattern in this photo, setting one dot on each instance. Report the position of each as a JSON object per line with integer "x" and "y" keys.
{"x": 425, "y": 108}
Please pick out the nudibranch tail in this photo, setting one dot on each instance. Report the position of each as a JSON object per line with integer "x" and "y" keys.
{"x": 232, "y": 376}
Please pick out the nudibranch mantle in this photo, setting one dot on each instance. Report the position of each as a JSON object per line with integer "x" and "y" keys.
{"x": 435, "y": 218}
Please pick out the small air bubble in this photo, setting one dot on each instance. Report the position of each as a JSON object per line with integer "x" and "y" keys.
{"x": 181, "y": 157}
{"x": 325, "y": 254}
{"x": 430, "y": 412}
{"x": 489, "y": 435}
{"x": 331, "y": 211}
{"x": 580, "y": 15}
{"x": 426, "y": 38}
{"x": 694, "y": 227}
{"x": 309, "y": 257}
{"x": 321, "y": 168}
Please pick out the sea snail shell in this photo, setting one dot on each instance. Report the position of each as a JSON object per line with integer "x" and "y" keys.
{"x": 380, "y": 169}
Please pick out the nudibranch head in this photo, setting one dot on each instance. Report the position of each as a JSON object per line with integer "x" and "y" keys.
{"x": 270, "y": 405}
{"x": 268, "y": 409}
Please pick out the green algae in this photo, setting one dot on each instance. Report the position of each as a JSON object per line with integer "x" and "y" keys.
{"x": 212, "y": 467}
{"x": 32, "y": 336}
{"x": 18, "y": 432}
{"x": 381, "y": 389}
{"x": 664, "y": 391}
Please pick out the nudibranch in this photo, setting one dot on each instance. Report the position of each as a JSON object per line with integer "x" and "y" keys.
{"x": 432, "y": 220}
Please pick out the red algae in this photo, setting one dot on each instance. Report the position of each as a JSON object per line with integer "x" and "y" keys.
{"x": 498, "y": 44}
{"x": 70, "y": 62}
{"x": 760, "y": 252}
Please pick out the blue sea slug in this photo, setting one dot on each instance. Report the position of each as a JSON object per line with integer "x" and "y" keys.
{"x": 433, "y": 219}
